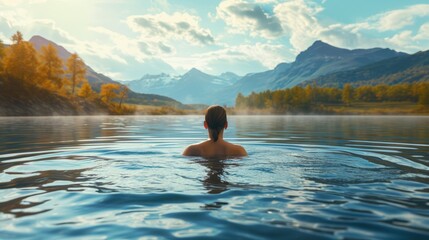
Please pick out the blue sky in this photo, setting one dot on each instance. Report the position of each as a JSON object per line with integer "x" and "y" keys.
{"x": 126, "y": 39}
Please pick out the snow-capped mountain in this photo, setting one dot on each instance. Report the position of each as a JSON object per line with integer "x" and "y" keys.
{"x": 194, "y": 86}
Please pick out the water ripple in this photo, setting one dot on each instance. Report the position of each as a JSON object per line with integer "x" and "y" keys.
{"x": 122, "y": 177}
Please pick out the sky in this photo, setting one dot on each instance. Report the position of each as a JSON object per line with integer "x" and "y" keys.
{"x": 126, "y": 39}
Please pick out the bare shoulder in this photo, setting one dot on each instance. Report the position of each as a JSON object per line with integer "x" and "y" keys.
{"x": 238, "y": 150}
{"x": 192, "y": 150}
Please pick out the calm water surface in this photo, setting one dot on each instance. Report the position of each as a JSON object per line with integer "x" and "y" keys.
{"x": 124, "y": 177}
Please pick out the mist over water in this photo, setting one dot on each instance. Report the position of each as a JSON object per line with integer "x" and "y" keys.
{"x": 306, "y": 177}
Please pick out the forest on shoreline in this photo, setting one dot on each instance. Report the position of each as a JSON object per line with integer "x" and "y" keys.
{"x": 407, "y": 98}
{"x": 41, "y": 83}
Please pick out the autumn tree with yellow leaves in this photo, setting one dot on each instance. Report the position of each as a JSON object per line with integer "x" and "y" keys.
{"x": 86, "y": 91}
{"x": 76, "y": 70}
{"x": 112, "y": 91}
{"x": 1, "y": 56}
{"x": 32, "y": 77}
{"x": 20, "y": 61}
{"x": 123, "y": 93}
{"x": 109, "y": 92}
{"x": 346, "y": 96}
{"x": 51, "y": 68}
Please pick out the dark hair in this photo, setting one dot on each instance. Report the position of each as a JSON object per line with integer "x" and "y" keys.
{"x": 216, "y": 120}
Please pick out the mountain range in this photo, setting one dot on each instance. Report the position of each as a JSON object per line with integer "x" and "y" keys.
{"x": 321, "y": 64}
{"x": 403, "y": 69}
{"x": 193, "y": 87}
{"x": 320, "y": 59}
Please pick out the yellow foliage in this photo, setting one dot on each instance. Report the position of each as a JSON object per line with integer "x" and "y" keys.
{"x": 304, "y": 99}
{"x": 20, "y": 61}
{"x": 51, "y": 67}
{"x": 123, "y": 94}
{"x": 109, "y": 92}
{"x": 347, "y": 94}
{"x": 1, "y": 55}
{"x": 86, "y": 91}
{"x": 76, "y": 70}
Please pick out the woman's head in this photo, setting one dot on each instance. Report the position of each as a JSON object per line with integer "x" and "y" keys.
{"x": 215, "y": 121}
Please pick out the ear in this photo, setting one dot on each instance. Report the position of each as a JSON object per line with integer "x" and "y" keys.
{"x": 226, "y": 125}
{"x": 206, "y": 125}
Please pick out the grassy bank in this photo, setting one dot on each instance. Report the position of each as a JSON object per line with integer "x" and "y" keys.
{"x": 164, "y": 110}
{"x": 377, "y": 108}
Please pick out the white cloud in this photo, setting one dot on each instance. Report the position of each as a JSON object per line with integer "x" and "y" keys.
{"x": 401, "y": 39}
{"x": 140, "y": 49}
{"x": 360, "y": 34}
{"x": 298, "y": 18}
{"x": 4, "y": 39}
{"x": 398, "y": 19}
{"x": 122, "y": 43}
{"x": 89, "y": 48}
{"x": 295, "y": 19}
{"x": 13, "y": 3}
{"x": 50, "y": 29}
{"x": 299, "y": 22}
{"x": 423, "y": 33}
{"x": 162, "y": 27}
{"x": 267, "y": 55}
{"x": 410, "y": 42}
{"x": 245, "y": 17}
{"x": 11, "y": 21}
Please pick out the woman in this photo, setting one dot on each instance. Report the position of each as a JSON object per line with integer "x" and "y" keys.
{"x": 215, "y": 146}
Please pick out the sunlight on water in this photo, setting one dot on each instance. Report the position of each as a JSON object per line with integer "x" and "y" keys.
{"x": 124, "y": 177}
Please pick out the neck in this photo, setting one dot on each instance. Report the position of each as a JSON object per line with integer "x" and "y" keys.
{"x": 219, "y": 138}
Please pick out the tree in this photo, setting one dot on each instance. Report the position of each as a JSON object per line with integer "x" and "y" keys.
{"x": 423, "y": 93}
{"x": 76, "y": 69}
{"x": 51, "y": 67}
{"x": 365, "y": 94}
{"x": 380, "y": 92}
{"x": 240, "y": 101}
{"x": 20, "y": 61}
{"x": 1, "y": 55}
{"x": 17, "y": 37}
{"x": 86, "y": 91}
{"x": 108, "y": 92}
{"x": 347, "y": 94}
{"x": 123, "y": 93}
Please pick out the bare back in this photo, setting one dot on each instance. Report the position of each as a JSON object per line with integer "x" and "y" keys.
{"x": 211, "y": 149}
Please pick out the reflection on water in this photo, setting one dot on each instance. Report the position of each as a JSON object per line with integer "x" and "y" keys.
{"x": 305, "y": 177}
{"x": 215, "y": 179}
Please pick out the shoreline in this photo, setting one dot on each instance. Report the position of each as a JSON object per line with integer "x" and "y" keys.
{"x": 232, "y": 114}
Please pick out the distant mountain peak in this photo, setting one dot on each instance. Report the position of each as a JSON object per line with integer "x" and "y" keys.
{"x": 321, "y": 49}
{"x": 39, "y": 41}
{"x": 228, "y": 75}
{"x": 194, "y": 72}
{"x": 36, "y": 37}
{"x": 320, "y": 43}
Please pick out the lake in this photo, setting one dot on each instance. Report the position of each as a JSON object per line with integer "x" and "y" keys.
{"x": 306, "y": 177}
